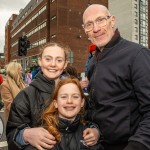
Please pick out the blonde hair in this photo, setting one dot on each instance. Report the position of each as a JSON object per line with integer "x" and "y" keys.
{"x": 12, "y": 71}
{"x": 14, "y": 78}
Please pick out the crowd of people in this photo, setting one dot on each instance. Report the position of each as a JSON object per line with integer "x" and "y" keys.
{"x": 49, "y": 110}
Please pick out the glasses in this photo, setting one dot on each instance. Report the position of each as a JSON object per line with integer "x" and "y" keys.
{"x": 100, "y": 22}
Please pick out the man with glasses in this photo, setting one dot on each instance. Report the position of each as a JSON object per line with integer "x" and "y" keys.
{"x": 119, "y": 84}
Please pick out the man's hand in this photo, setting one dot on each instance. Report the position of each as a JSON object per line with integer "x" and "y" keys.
{"x": 91, "y": 136}
{"x": 40, "y": 138}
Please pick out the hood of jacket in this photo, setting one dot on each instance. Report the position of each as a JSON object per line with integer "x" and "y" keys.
{"x": 42, "y": 83}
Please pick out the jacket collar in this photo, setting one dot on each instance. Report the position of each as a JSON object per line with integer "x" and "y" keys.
{"x": 115, "y": 39}
{"x": 67, "y": 126}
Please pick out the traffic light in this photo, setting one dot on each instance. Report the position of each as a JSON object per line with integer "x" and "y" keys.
{"x": 23, "y": 44}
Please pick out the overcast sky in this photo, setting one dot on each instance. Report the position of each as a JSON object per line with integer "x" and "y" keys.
{"x": 7, "y": 8}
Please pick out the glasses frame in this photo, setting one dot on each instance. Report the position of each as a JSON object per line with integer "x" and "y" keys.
{"x": 96, "y": 21}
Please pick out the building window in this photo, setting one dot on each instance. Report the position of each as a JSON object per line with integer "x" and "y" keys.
{"x": 136, "y": 37}
{"x": 52, "y": 1}
{"x": 135, "y": 21}
{"x": 53, "y": 36}
{"x": 70, "y": 57}
{"x": 136, "y": 29}
{"x": 136, "y": 14}
{"x": 54, "y": 17}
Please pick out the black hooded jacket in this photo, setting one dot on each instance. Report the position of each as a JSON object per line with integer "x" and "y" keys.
{"x": 27, "y": 106}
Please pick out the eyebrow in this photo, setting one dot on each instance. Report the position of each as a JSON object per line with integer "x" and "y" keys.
{"x": 90, "y": 21}
{"x": 53, "y": 57}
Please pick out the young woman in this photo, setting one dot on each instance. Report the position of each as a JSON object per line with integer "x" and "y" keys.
{"x": 64, "y": 117}
{"x": 21, "y": 129}
{"x": 11, "y": 86}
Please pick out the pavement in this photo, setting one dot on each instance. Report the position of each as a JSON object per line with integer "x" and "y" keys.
{"x": 3, "y": 142}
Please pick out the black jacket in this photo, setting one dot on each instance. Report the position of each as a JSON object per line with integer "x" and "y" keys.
{"x": 120, "y": 93}
{"x": 71, "y": 136}
{"x": 27, "y": 106}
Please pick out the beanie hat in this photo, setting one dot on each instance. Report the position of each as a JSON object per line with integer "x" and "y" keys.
{"x": 92, "y": 47}
{"x": 35, "y": 59}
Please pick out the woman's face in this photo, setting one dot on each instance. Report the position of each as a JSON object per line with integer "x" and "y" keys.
{"x": 20, "y": 71}
{"x": 69, "y": 101}
{"x": 52, "y": 62}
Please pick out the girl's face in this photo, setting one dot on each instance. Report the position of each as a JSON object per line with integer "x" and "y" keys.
{"x": 52, "y": 62}
{"x": 69, "y": 101}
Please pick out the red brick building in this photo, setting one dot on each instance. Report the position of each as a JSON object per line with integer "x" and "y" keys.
{"x": 49, "y": 20}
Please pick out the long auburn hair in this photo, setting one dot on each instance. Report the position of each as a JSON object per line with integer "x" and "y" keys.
{"x": 49, "y": 117}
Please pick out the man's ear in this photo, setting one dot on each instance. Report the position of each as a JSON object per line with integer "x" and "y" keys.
{"x": 113, "y": 21}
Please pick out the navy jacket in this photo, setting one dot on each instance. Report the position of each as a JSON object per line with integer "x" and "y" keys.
{"x": 120, "y": 92}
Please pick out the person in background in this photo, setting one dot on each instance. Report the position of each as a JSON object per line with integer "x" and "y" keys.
{"x": 35, "y": 68}
{"x": 91, "y": 50}
{"x": 64, "y": 117}
{"x": 11, "y": 86}
{"x": 1, "y": 79}
{"x": 28, "y": 77}
{"x": 72, "y": 71}
{"x": 1, "y": 102}
{"x": 21, "y": 130}
{"x": 84, "y": 79}
{"x": 119, "y": 83}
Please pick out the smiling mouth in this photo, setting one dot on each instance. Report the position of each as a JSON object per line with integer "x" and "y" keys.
{"x": 50, "y": 70}
{"x": 69, "y": 108}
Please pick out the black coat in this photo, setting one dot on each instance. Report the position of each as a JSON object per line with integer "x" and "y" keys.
{"x": 27, "y": 106}
{"x": 120, "y": 93}
{"x": 71, "y": 136}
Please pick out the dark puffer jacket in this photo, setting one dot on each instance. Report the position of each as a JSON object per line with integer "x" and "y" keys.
{"x": 72, "y": 138}
{"x": 27, "y": 106}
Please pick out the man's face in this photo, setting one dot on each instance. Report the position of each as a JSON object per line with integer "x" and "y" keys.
{"x": 34, "y": 63}
{"x": 99, "y": 36}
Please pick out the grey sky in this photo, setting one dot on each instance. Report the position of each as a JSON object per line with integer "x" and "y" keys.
{"x": 7, "y": 8}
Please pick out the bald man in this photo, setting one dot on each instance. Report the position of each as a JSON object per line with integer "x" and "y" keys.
{"x": 119, "y": 84}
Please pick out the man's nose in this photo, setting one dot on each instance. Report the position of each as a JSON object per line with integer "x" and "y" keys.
{"x": 95, "y": 27}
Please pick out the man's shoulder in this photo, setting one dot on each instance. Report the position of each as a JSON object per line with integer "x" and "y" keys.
{"x": 131, "y": 43}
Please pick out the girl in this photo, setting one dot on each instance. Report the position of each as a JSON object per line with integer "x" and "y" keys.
{"x": 64, "y": 117}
